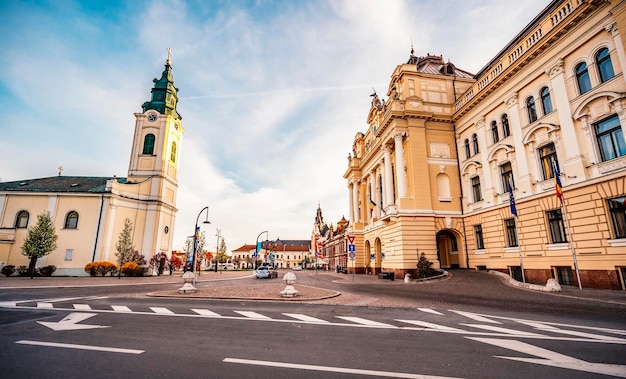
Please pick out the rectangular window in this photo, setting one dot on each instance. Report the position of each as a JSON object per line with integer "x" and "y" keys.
{"x": 564, "y": 275}
{"x": 618, "y": 216}
{"x": 557, "y": 229}
{"x": 69, "y": 254}
{"x": 476, "y": 189}
{"x": 480, "y": 242}
{"x": 547, "y": 155}
{"x": 610, "y": 139}
{"x": 511, "y": 232}
{"x": 506, "y": 172}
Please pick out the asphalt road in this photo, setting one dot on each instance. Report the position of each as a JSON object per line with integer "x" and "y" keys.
{"x": 468, "y": 326}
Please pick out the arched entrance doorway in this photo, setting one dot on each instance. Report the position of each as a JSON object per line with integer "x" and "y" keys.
{"x": 379, "y": 256}
{"x": 447, "y": 249}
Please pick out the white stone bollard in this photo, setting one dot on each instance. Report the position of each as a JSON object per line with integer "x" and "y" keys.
{"x": 552, "y": 285}
{"x": 289, "y": 291}
{"x": 407, "y": 278}
{"x": 188, "y": 279}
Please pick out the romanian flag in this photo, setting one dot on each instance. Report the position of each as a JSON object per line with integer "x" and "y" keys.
{"x": 372, "y": 205}
{"x": 557, "y": 182}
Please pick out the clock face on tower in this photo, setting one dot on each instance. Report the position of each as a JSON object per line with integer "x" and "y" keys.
{"x": 152, "y": 117}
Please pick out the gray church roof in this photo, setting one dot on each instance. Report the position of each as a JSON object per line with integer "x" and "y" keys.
{"x": 73, "y": 184}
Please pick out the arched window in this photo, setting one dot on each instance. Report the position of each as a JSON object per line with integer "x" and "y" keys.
{"x": 71, "y": 220}
{"x": 506, "y": 131}
{"x": 380, "y": 191}
{"x": 21, "y": 220}
{"x": 148, "y": 144}
{"x": 605, "y": 67}
{"x": 475, "y": 143}
{"x": 582, "y": 78}
{"x": 173, "y": 153}
{"x": 531, "y": 108}
{"x": 494, "y": 131}
{"x": 467, "y": 149}
{"x": 546, "y": 102}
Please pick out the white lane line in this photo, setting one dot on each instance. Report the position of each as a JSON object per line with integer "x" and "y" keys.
{"x": 206, "y": 312}
{"x": 430, "y": 325}
{"x": 302, "y": 317}
{"x": 161, "y": 311}
{"x": 254, "y": 315}
{"x": 476, "y": 317}
{"x": 386, "y": 374}
{"x": 44, "y": 305}
{"x": 364, "y": 321}
{"x": 503, "y": 330}
{"x": 552, "y": 329}
{"x": 553, "y": 359}
{"x": 82, "y": 307}
{"x": 80, "y": 347}
{"x": 120, "y": 308}
{"x": 428, "y": 310}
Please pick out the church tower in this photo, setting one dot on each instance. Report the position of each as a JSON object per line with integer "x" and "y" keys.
{"x": 154, "y": 160}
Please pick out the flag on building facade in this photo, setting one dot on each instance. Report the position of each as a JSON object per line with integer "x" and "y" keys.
{"x": 372, "y": 205}
{"x": 557, "y": 182}
{"x": 512, "y": 200}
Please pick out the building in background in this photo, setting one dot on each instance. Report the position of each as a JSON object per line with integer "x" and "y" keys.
{"x": 432, "y": 171}
{"x": 89, "y": 212}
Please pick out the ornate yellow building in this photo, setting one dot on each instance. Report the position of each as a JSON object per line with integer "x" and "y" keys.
{"x": 432, "y": 172}
{"x": 89, "y": 212}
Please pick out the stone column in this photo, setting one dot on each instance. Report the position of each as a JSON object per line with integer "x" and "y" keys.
{"x": 388, "y": 178}
{"x": 617, "y": 41}
{"x": 397, "y": 138}
{"x": 351, "y": 203}
{"x": 573, "y": 161}
{"x": 355, "y": 201}
{"x": 523, "y": 180}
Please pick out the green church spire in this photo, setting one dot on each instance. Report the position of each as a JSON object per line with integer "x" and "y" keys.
{"x": 164, "y": 94}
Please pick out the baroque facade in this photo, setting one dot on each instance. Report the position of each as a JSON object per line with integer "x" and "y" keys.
{"x": 89, "y": 212}
{"x": 432, "y": 172}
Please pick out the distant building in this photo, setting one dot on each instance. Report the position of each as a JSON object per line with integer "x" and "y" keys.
{"x": 280, "y": 253}
{"x": 89, "y": 212}
{"x": 331, "y": 244}
{"x": 431, "y": 173}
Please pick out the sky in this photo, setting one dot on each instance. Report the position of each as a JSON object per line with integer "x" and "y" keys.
{"x": 271, "y": 92}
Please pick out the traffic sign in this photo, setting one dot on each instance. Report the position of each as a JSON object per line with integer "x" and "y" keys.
{"x": 351, "y": 247}
{"x": 351, "y": 254}
{"x": 351, "y": 239}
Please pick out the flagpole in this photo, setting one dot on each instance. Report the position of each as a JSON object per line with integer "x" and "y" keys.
{"x": 559, "y": 195}
{"x": 571, "y": 242}
{"x": 519, "y": 242}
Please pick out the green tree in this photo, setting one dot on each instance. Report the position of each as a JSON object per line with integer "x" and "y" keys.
{"x": 125, "y": 248}
{"x": 221, "y": 252}
{"x": 40, "y": 241}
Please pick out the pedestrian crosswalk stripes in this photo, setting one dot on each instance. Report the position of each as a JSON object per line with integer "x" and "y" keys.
{"x": 445, "y": 321}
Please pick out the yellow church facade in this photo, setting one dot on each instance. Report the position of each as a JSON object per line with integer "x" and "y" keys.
{"x": 89, "y": 212}
{"x": 431, "y": 173}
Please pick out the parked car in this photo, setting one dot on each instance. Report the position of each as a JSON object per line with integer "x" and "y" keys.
{"x": 266, "y": 272}
{"x": 297, "y": 268}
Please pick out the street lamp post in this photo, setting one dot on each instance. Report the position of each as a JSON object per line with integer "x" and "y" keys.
{"x": 218, "y": 234}
{"x": 256, "y": 248}
{"x": 196, "y": 236}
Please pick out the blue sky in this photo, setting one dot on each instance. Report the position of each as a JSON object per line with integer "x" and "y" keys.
{"x": 272, "y": 93}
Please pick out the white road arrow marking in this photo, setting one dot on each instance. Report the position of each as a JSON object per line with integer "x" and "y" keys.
{"x": 70, "y": 322}
{"x": 553, "y": 359}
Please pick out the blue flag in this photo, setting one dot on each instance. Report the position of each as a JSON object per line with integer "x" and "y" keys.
{"x": 512, "y": 200}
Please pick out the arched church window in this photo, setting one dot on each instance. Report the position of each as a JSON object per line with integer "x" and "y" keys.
{"x": 173, "y": 153}
{"x": 582, "y": 78}
{"x": 605, "y": 67}
{"x": 71, "y": 220}
{"x": 506, "y": 131}
{"x": 148, "y": 144}
{"x": 21, "y": 220}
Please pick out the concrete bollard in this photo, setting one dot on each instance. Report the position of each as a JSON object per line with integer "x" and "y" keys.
{"x": 188, "y": 278}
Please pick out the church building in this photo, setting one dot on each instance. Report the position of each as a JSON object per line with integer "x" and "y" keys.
{"x": 519, "y": 168}
{"x": 89, "y": 212}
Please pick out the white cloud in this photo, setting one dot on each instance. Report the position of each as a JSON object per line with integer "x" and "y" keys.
{"x": 271, "y": 93}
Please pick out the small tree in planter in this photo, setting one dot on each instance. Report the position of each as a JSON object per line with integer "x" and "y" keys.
{"x": 40, "y": 241}
{"x": 425, "y": 267}
{"x": 159, "y": 262}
